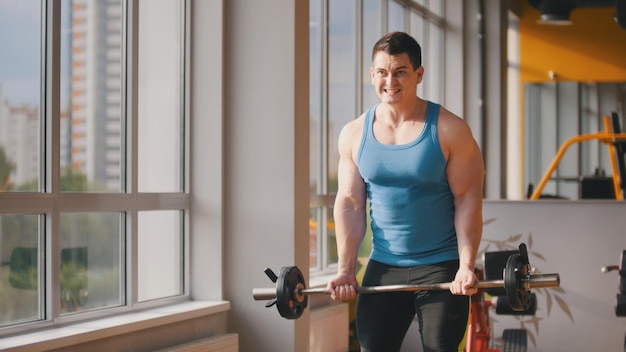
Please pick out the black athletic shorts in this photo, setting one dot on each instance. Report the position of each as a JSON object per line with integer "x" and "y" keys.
{"x": 383, "y": 319}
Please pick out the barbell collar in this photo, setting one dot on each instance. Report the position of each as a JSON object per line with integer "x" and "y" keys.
{"x": 264, "y": 294}
{"x": 542, "y": 281}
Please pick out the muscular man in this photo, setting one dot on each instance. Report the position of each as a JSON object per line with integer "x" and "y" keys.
{"x": 422, "y": 172}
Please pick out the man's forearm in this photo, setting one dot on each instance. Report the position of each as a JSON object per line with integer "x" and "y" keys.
{"x": 349, "y": 231}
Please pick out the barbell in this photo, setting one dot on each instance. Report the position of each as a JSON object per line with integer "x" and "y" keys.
{"x": 291, "y": 295}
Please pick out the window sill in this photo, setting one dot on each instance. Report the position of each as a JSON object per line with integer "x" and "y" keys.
{"x": 112, "y": 326}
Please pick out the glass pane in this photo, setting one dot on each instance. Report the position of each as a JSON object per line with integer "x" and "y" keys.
{"x": 342, "y": 79}
{"x": 371, "y": 33}
{"x": 21, "y": 286}
{"x": 332, "y": 257}
{"x": 418, "y": 31}
{"x": 315, "y": 97}
{"x": 160, "y": 89}
{"x": 417, "y": 27}
{"x": 316, "y": 140}
{"x": 91, "y": 257}
{"x": 19, "y": 95}
{"x": 436, "y": 7}
{"x": 91, "y": 98}
{"x": 314, "y": 239}
{"x": 396, "y": 17}
{"x": 160, "y": 267}
{"x": 433, "y": 68}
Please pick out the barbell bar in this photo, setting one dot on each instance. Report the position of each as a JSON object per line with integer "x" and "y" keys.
{"x": 291, "y": 295}
{"x": 533, "y": 281}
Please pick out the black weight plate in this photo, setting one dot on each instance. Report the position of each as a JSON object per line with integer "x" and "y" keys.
{"x": 514, "y": 340}
{"x": 622, "y": 273}
{"x": 514, "y": 273}
{"x": 523, "y": 254}
{"x": 494, "y": 264}
{"x": 620, "y": 305}
{"x": 288, "y": 305}
{"x": 504, "y": 308}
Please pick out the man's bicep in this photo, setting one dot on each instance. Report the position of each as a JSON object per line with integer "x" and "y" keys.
{"x": 350, "y": 183}
{"x": 466, "y": 170}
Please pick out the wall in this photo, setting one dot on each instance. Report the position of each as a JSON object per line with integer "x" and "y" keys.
{"x": 329, "y": 328}
{"x": 147, "y": 330}
{"x": 266, "y": 160}
{"x": 151, "y": 339}
{"x": 591, "y": 49}
{"x": 575, "y": 240}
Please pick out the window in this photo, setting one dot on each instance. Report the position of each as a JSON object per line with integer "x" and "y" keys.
{"x": 342, "y": 35}
{"x": 93, "y": 193}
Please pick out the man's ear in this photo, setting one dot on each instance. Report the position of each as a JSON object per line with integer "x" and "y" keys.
{"x": 420, "y": 74}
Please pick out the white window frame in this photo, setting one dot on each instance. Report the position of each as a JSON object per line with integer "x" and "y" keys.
{"x": 51, "y": 203}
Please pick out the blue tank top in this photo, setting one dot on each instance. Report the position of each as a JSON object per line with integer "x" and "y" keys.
{"x": 411, "y": 205}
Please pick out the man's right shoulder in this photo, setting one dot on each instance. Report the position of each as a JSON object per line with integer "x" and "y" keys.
{"x": 351, "y": 134}
{"x": 355, "y": 126}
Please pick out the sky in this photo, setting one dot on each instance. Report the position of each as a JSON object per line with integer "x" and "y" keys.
{"x": 20, "y": 31}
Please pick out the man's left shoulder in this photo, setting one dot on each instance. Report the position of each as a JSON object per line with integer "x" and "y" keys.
{"x": 450, "y": 121}
{"x": 446, "y": 114}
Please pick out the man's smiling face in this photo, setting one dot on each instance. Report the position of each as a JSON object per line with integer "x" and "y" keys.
{"x": 394, "y": 77}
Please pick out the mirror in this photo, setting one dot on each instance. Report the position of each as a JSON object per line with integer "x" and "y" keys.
{"x": 555, "y": 112}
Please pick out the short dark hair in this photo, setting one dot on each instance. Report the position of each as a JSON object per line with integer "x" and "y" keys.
{"x": 395, "y": 43}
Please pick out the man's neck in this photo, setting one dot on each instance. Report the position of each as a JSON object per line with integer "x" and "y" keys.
{"x": 413, "y": 110}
